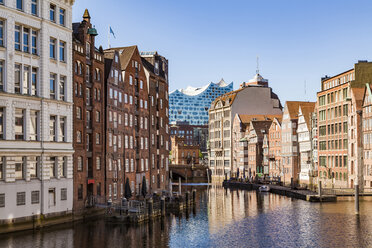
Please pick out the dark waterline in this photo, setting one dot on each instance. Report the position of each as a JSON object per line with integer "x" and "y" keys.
{"x": 222, "y": 218}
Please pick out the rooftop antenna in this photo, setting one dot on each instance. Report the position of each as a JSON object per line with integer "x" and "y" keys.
{"x": 257, "y": 70}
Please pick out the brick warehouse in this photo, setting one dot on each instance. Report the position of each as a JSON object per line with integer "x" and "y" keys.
{"x": 156, "y": 67}
{"x": 88, "y": 63}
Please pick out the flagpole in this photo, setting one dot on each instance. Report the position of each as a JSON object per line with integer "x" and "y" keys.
{"x": 108, "y": 39}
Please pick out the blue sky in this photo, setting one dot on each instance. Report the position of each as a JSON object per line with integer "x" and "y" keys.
{"x": 206, "y": 40}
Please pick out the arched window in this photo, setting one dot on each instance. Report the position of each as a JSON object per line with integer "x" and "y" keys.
{"x": 95, "y": 74}
{"x": 336, "y": 175}
{"x": 345, "y": 176}
{"x": 76, "y": 67}
{"x": 80, "y": 68}
{"x": 352, "y": 168}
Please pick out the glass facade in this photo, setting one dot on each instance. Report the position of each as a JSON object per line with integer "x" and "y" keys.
{"x": 192, "y": 104}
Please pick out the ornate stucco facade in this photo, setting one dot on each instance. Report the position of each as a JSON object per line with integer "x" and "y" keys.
{"x": 36, "y": 107}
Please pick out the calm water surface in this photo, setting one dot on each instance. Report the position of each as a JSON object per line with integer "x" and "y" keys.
{"x": 222, "y": 218}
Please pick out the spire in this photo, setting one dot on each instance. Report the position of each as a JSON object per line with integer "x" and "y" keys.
{"x": 258, "y": 69}
{"x": 86, "y": 15}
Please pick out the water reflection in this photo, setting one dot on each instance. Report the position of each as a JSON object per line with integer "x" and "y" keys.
{"x": 222, "y": 218}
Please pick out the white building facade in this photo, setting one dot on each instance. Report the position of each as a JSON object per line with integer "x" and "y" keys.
{"x": 304, "y": 142}
{"x": 36, "y": 106}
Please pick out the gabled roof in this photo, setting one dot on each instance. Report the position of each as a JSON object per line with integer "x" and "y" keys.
{"x": 358, "y": 96}
{"x": 278, "y": 121}
{"x": 125, "y": 54}
{"x": 293, "y": 107}
{"x": 306, "y": 112}
{"x": 260, "y": 127}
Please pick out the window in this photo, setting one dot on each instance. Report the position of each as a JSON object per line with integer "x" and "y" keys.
{"x": 52, "y": 12}
{"x": 26, "y": 79}
{"x": 17, "y": 78}
{"x": 33, "y": 124}
{"x": 52, "y": 168}
{"x": 1, "y": 33}
{"x": 87, "y": 46}
{"x": 62, "y": 16}
{"x": 1, "y": 75}
{"x": 98, "y": 116}
{"x": 19, "y": 127}
{"x": 21, "y": 197}
{"x": 26, "y": 38}
{"x": 78, "y": 113}
{"x": 34, "y": 42}
{"x": 19, "y": 4}
{"x": 62, "y": 167}
{"x": 62, "y": 129}
{"x": 52, "y": 48}
{"x": 62, "y": 48}
{"x": 17, "y": 37}
{"x": 2, "y": 123}
{"x": 62, "y": 81}
{"x": 98, "y": 163}
{"x": 97, "y": 139}
{"x": 63, "y": 194}
{"x": 20, "y": 166}
{"x": 80, "y": 192}
{"x": 52, "y": 128}
{"x": 52, "y": 83}
{"x": 35, "y": 197}
{"x": 2, "y": 168}
{"x": 87, "y": 73}
{"x": 2, "y": 200}
{"x": 34, "y": 82}
{"x": 34, "y": 7}
{"x": 80, "y": 163}
{"x": 34, "y": 166}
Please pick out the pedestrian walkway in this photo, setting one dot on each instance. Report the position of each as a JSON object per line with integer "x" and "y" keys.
{"x": 304, "y": 194}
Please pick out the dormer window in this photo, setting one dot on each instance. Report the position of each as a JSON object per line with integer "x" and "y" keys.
{"x": 156, "y": 68}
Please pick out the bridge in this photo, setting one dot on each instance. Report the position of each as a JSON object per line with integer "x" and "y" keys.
{"x": 189, "y": 173}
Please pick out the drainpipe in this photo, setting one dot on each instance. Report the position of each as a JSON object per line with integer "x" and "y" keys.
{"x": 41, "y": 161}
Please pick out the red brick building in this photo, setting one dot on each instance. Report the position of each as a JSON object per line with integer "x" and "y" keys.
{"x": 131, "y": 101}
{"x": 156, "y": 68}
{"x": 257, "y": 132}
{"x": 89, "y": 97}
{"x": 182, "y": 153}
{"x": 275, "y": 139}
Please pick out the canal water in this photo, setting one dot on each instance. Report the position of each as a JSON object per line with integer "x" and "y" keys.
{"x": 222, "y": 218}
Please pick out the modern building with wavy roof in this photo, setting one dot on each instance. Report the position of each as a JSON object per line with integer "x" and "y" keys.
{"x": 191, "y": 105}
